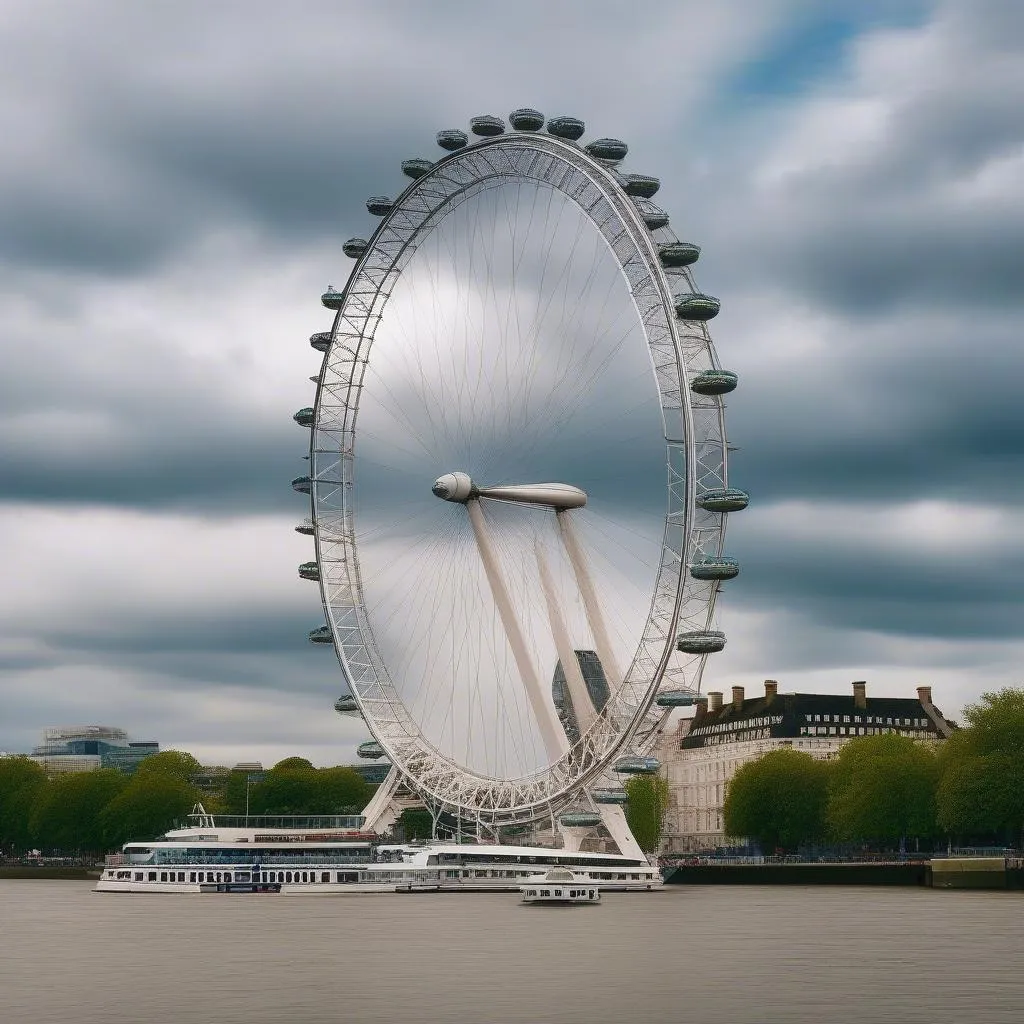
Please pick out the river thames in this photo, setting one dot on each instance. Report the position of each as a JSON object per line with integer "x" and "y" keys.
{"x": 732, "y": 954}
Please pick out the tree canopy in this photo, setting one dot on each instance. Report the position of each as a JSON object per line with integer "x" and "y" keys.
{"x": 66, "y": 814}
{"x": 645, "y": 811}
{"x": 20, "y": 781}
{"x": 779, "y": 800}
{"x": 147, "y": 807}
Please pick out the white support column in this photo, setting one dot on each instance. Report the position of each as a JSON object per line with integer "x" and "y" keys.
{"x": 595, "y": 617}
{"x": 380, "y": 813}
{"x": 614, "y": 819}
{"x": 555, "y": 742}
{"x": 582, "y": 703}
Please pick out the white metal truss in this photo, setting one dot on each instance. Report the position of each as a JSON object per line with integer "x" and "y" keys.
{"x": 696, "y": 459}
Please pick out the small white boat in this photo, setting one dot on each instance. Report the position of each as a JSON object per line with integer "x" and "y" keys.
{"x": 560, "y": 885}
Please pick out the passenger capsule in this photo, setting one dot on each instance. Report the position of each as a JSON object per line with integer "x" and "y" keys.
{"x": 637, "y": 766}
{"x": 714, "y": 382}
{"x": 653, "y": 216}
{"x": 486, "y": 125}
{"x": 302, "y": 484}
{"x": 678, "y": 254}
{"x": 703, "y": 641}
{"x": 580, "y": 819}
{"x": 676, "y": 699}
{"x": 452, "y": 139}
{"x": 719, "y": 568}
{"x": 332, "y": 299}
{"x": 695, "y": 306}
{"x": 379, "y": 206}
{"x": 321, "y": 635}
{"x": 321, "y": 341}
{"x": 612, "y": 150}
{"x": 306, "y": 528}
{"x": 570, "y": 128}
{"x": 416, "y": 168}
{"x": 609, "y": 796}
{"x": 310, "y": 571}
{"x": 354, "y": 247}
{"x": 526, "y": 120}
{"x": 723, "y": 499}
{"x": 304, "y": 417}
{"x": 371, "y": 749}
{"x": 643, "y": 185}
{"x": 346, "y": 704}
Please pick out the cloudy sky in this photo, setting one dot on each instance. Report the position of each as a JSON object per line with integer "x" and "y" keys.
{"x": 175, "y": 184}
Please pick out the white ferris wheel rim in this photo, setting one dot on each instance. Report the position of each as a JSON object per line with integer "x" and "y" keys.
{"x": 696, "y": 457}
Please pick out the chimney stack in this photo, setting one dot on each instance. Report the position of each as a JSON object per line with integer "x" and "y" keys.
{"x": 714, "y": 700}
{"x": 737, "y": 698}
{"x": 860, "y": 694}
{"x": 771, "y": 690}
{"x": 924, "y": 695}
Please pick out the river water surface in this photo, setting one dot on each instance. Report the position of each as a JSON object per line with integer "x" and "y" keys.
{"x": 704, "y": 954}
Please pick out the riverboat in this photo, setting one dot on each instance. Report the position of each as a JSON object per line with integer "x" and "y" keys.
{"x": 332, "y": 855}
{"x": 560, "y": 886}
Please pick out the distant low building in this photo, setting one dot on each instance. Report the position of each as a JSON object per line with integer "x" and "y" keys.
{"x": 84, "y": 748}
{"x": 703, "y": 754}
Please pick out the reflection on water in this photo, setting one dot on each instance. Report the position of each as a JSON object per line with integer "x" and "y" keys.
{"x": 705, "y": 954}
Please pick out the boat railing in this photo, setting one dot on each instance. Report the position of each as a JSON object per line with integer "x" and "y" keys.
{"x": 290, "y": 822}
{"x": 115, "y": 860}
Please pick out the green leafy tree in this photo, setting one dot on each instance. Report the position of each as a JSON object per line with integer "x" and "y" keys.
{"x": 290, "y": 787}
{"x": 416, "y": 823}
{"x": 21, "y": 781}
{"x": 341, "y": 790}
{"x": 645, "y": 811}
{"x": 66, "y": 814}
{"x": 779, "y": 800}
{"x": 176, "y": 763}
{"x": 882, "y": 790}
{"x": 981, "y": 788}
{"x": 232, "y": 797}
{"x": 147, "y": 807}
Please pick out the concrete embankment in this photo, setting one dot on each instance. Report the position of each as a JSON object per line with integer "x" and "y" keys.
{"x": 29, "y": 871}
{"x": 916, "y": 873}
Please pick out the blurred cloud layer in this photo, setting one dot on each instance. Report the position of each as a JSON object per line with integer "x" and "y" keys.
{"x": 174, "y": 189}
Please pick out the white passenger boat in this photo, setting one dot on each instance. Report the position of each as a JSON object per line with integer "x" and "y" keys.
{"x": 560, "y": 885}
{"x": 325, "y": 855}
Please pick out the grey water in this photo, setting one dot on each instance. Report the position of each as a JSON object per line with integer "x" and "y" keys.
{"x": 732, "y": 954}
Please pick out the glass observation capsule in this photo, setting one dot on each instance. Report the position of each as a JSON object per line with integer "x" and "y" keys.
{"x": 379, "y": 206}
{"x": 321, "y": 635}
{"x": 612, "y": 150}
{"x": 486, "y": 125}
{"x": 346, "y": 704}
{"x": 354, "y": 247}
{"x": 570, "y": 128}
{"x": 321, "y": 341}
{"x": 678, "y": 254}
{"x": 653, "y": 216}
{"x": 333, "y": 299}
{"x": 579, "y": 819}
{"x": 304, "y": 417}
{"x": 526, "y": 120}
{"x": 696, "y": 306}
{"x": 302, "y": 484}
{"x": 452, "y": 139}
{"x": 719, "y": 568}
{"x": 371, "y": 748}
{"x": 637, "y": 766}
{"x": 609, "y": 796}
{"x": 643, "y": 185}
{"x": 310, "y": 571}
{"x": 702, "y": 641}
{"x": 723, "y": 499}
{"x": 676, "y": 699}
{"x": 416, "y": 167}
{"x": 714, "y": 382}
{"x": 306, "y": 528}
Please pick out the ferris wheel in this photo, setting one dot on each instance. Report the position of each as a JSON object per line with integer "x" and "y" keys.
{"x": 518, "y": 474}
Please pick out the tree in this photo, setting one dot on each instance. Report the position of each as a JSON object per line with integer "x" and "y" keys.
{"x": 148, "y": 806}
{"x": 416, "y": 823}
{"x": 66, "y": 814}
{"x": 981, "y": 788}
{"x": 341, "y": 790}
{"x": 175, "y": 763}
{"x": 645, "y": 811}
{"x": 778, "y": 800}
{"x": 21, "y": 779}
{"x": 290, "y": 787}
{"x": 882, "y": 790}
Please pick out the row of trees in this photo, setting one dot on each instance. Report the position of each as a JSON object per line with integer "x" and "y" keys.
{"x": 89, "y": 812}
{"x": 883, "y": 790}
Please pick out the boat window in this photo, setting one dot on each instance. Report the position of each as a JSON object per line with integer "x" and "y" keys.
{"x": 325, "y": 876}
{"x": 152, "y": 876}
{"x": 288, "y": 876}
{"x": 545, "y": 892}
